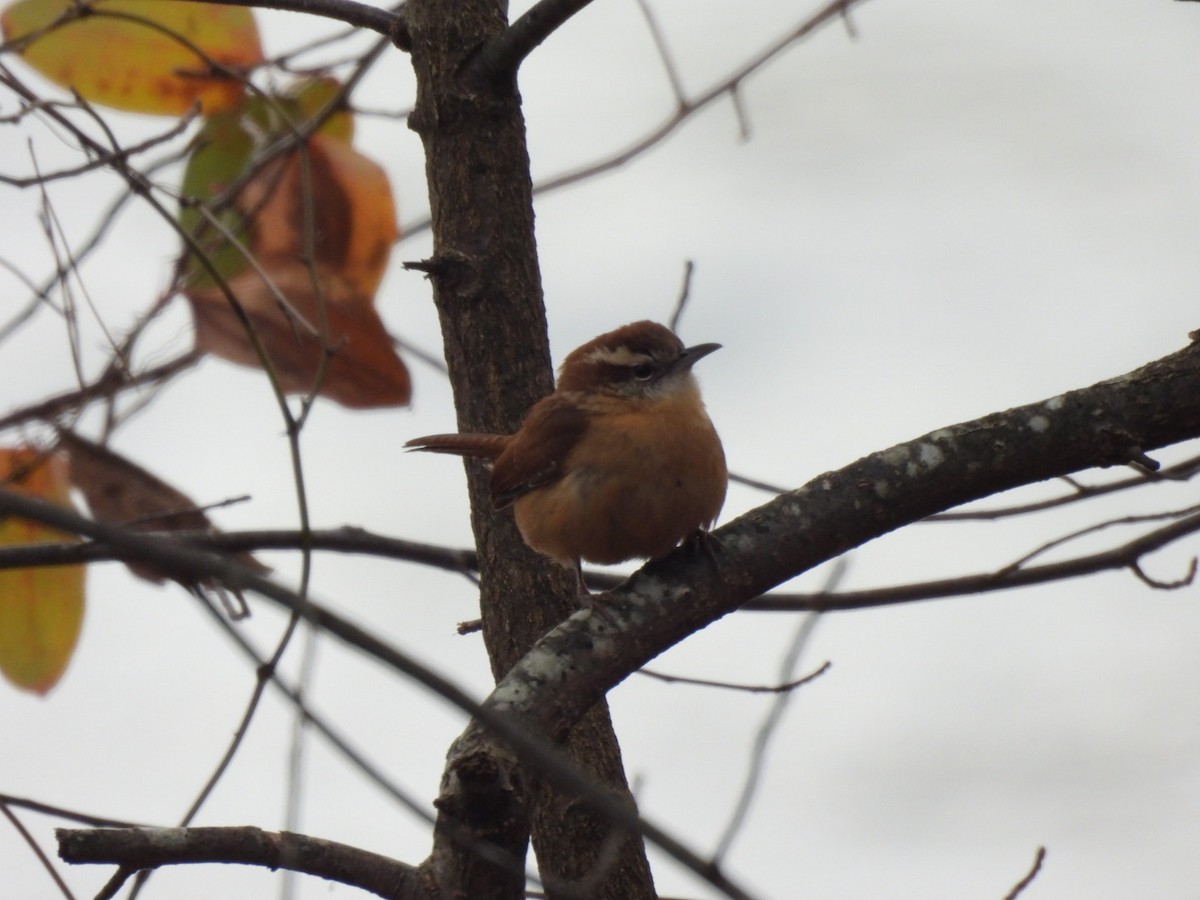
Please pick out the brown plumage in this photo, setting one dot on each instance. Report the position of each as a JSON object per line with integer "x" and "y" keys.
{"x": 620, "y": 462}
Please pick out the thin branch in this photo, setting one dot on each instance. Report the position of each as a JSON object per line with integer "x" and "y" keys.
{"x": 107, "y": 159}
{"x": 140, "y": 848}
{"x": 486, "y": 851}
{"x": 687, "y": 108}
{"x": 108, "y": 385}
{"x": 464, "y": 561}
{"x": 37, "y": 851}
{"x": 338, "y": 540}
{"x": 575, "y": 663}
{"x": 1020, "y": 886}
{"x": 69, "y": 814}
{"x": 1122, "y": 557}
{"x": 1185, "y": 581}
{"x": 342, "y": 745}
{"x": 1097, "y": 527}
{"x": 263, "y": 674}
{"x": 359, "y": 15}
{"x": 745, "y": 688}
{"x": 689, "y": 268}
{"x": 758, "y": 485}
{"x": 189, "y": 564}
{"x": 664, "y": 52}
{"x": 499, "y": 58}
{"x": 834, "y": 10}
{"x": 1180, "y": 471}
{"x": 771, "y": 722}
{"x": 368, "y": 769}
{"x": 93, "y": 241}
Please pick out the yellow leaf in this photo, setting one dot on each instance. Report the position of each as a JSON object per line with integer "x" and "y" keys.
{"x": 41, "y": 609}
{"x": 311, "y": 96}
{"x": 138, "y": 55}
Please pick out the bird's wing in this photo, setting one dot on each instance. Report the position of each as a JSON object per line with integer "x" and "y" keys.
{"x": 538, "y": 451}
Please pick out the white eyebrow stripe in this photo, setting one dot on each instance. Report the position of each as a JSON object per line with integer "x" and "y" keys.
{"x": 616, "y": 356}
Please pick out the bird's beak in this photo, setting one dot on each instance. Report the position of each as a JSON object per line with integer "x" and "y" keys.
{"x": 693, "y": 355}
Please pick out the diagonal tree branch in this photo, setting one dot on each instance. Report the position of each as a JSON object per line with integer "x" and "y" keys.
{"x": 573, "y": 665}
{"x": 190, "y": 564}
{"x": 1126, "y": 556}
{"x": 502, "y": 55}
{"x": 361, "y": 15}
{"x": 1106, "y": 424}
{"x": 135, "y": 849}
{"x": 687, "y": 107}
{"x": 357, "y": 540}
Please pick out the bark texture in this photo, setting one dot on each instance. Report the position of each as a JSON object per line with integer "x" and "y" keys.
{"x": 487, "y": 289}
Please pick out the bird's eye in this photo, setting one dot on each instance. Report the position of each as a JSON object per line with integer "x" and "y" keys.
{"x": 643, "y": 371}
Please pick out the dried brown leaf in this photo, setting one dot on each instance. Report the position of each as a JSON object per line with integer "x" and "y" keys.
{"x": 121, "y": 492}
{"x": 339, "y": 326}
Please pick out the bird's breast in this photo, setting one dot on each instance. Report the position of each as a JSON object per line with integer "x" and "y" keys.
{"x": 641, "y": 478}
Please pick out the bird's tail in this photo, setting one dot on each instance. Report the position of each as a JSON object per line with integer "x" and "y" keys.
{"x": 478, "y": 446}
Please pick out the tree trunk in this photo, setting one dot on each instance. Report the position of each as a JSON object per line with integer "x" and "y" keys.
{"x": 487, "y": 289}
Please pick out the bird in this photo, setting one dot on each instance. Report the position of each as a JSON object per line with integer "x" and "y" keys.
{"x": 620, "y": 462}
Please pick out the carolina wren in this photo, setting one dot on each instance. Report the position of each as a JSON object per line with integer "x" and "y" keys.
{"x": 620, "y": 462}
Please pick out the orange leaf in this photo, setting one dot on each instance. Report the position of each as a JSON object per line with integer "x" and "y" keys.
{"x": 350, "y": 198}
{"x": 123, "y": 493}
{"x": 41, "y": 609}
{"x": 363, "y": 369}
{"x": 225, "y": 148}
{"x": 138, "y": 55}
{"x": 324, "y": 202}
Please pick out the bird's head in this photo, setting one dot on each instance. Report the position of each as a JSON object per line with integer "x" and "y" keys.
{"x": 639, "y": 360}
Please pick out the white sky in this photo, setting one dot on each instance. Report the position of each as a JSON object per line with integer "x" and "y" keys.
{"x": 969, "y": 207}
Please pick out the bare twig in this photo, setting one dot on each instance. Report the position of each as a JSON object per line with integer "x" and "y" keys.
{"x": 500, "y": 57}
{"x": 772, "y": 720}
{"x": 340, "y": 743}
{"x": 1020, "y": 886}
{"x": 745, "y": 688}
{"x": 140, "y": 848}
{"x": 465, "y": 562}
{"x": 688, "y": 107}
{"x": 360, "y": 15}
{"x": 1185, "y": 581}
{"x": 37, "y": 851}
{"x": 64, "y": 813}
{"x": 105, "y": 159}
{"x": 1180, "y": 471}
{"x": 109, "y": 384}
{"x": 1099, "y": 526}
{"x": 86, "y": 248}
{"x": 1122, "y": 557}
{"x": 664, "y": 52}
{"x": 684, "y": 290}
{"x": 758, "y": 485}
{"x": 727, "y": 85}
{"x": 739, "y": 110}
{"x": 190, "y": 564}
{"x": 338, "y": 540}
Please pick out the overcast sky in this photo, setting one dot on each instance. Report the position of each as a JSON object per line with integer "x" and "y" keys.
{"x": 965, "y": 208}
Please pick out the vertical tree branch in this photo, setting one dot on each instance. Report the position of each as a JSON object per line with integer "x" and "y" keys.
{"x": 487, "y": 288}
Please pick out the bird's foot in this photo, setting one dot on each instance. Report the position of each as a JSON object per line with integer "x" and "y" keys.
{"x": 705, "y": 542}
